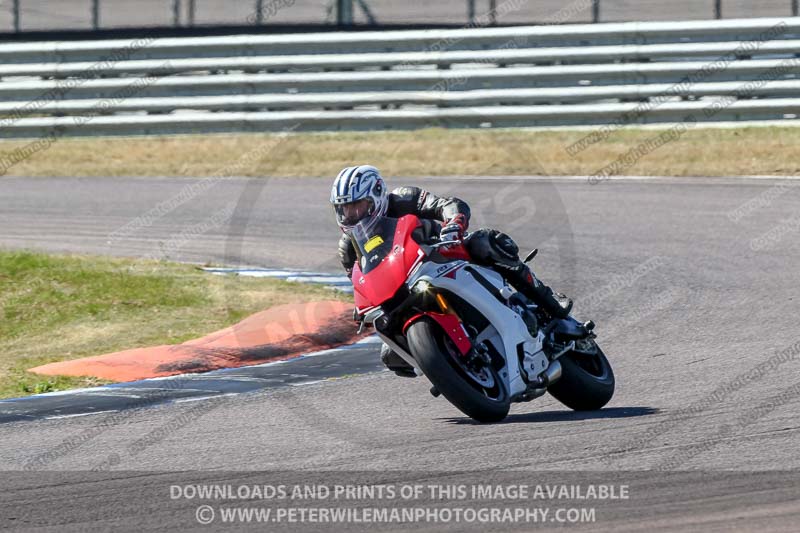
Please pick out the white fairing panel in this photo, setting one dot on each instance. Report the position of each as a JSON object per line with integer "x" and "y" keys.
{"x": 511, "y": 329}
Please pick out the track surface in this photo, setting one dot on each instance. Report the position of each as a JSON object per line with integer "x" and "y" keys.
{"x": 703, "y": 325}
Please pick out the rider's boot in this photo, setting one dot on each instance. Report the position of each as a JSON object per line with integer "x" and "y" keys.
{"x": 396, "y": 364}
{"x": 555, "y": 304}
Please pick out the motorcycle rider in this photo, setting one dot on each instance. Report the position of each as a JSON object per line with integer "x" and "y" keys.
{"x": 359, "y": 193}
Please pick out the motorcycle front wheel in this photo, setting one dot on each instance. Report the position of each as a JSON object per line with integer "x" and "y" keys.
{"x": 481, "y": 395}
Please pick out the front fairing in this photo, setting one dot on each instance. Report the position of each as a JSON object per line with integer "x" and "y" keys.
{"x": 386, "y": 254}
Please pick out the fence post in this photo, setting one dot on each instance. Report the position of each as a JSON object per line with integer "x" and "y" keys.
{"x": 176, "y": 13}
{"x": 15, "y": 12}
{"x": 794, "y": 8}
{"x": 95, "y": 14}
{"x": 470, "y": 11}
{"x": 717, "y": 9}
{"x": 493, "y": 12}
{"x": 344, "y": 12}
{"x": 190, "y": 14}
{"x": 595, "y": 10}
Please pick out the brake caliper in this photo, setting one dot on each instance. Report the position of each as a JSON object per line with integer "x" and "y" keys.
{"x": 478, "y": 357}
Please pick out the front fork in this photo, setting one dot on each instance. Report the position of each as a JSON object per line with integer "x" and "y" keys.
{"x": 447, "y": 319}
{"x": 400, "y": 351}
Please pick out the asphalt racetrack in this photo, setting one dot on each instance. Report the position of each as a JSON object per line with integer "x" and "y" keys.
{"x": 694, "y": 291}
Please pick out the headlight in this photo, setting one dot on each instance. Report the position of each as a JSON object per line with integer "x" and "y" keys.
{"x": 421, "y": 286}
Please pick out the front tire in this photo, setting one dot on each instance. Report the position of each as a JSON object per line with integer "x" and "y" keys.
{"x": 587, "y": 381}
{"x": 428, "y": 345}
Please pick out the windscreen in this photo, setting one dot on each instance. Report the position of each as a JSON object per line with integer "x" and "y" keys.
{"x": 373, "y": 241}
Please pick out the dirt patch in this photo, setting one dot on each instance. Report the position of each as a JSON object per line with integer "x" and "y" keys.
{"x": 276, "y": 334}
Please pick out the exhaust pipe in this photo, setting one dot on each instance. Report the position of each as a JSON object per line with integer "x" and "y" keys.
{"x": 547, "y": 378}
{"x": 553, "y": 373}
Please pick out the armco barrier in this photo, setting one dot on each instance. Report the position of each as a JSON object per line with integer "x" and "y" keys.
{"x": 523, "y": 76}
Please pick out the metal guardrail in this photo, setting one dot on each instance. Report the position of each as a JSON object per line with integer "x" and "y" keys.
{"x": 532, "y": 76}
{"x": 391, "y": 41}
{"x": 575, "y": 77}
{"x": 546, "y": 96}
{"x": 503, "y": 116}
{"x": 508, "y": 56}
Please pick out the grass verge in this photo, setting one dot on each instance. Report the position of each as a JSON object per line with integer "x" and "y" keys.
{"x": 57, "y": 307}
{"x": 430, "y": 152}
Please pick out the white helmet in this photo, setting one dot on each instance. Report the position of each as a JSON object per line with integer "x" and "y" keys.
{"x": 358, "y": 194}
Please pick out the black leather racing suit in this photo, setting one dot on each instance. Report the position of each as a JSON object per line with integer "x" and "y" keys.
{"x": 486, "y": 247}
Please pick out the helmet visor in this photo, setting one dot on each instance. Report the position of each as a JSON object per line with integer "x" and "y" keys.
{"x": 352, "y": 213}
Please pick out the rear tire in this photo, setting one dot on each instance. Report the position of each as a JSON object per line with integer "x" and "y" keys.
{"x": 425, "y": 341}
{"x": 586, "y": 383}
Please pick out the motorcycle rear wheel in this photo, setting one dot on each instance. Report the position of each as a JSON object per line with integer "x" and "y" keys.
{"x": 443, "y": 366}
{"x": 587, "y": 381}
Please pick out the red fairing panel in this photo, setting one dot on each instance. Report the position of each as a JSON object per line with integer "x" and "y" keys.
{"x": 451, "y": 325}
{"x": 454, "y": 252}
{"x": 383, "y": 282}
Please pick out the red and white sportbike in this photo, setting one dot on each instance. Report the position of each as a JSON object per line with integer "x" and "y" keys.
{"x": 480, "y": 343}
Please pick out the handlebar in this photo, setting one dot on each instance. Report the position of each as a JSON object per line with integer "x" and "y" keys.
{"x": 441, "y": 244}
{"x": 451, "y": 249}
